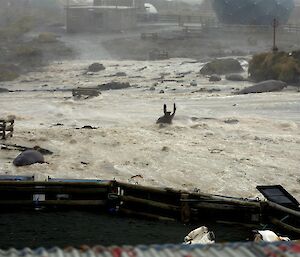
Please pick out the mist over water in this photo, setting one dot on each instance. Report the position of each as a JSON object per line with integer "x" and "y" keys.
{"x": 89, "y": 46}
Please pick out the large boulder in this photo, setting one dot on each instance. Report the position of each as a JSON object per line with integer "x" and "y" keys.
{"x": 28, "y": 157}
{"x": 265, "y": 86}
{"x": 222, "y": 66}
{"x": 95, "y": 67}
{"x": 278, "y": 66}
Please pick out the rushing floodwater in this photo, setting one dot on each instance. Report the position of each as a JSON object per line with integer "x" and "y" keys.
{"x": 218, "y": 143}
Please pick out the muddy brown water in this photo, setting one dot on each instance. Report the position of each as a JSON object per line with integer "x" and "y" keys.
{"x": 75, "y": 228}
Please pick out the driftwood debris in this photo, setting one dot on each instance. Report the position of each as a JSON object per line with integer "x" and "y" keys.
{"x": 85, "y": 91}
{"x": 24, "y": 148}
{"x": 6, "y": 128}
{"x": 168, "y": 117}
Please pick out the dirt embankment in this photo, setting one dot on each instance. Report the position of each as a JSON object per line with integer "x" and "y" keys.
{"x": 198, "y": 44}
{"x": 22, "y": 51}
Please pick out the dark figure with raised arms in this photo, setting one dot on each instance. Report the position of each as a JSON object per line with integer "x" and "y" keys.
{"x": 168, "y": 117}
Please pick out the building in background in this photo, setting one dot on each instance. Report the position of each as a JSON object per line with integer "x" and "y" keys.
{"x": 104, "y": 15}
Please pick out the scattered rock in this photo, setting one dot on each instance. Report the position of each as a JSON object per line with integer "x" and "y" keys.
{"x": 235, "y": 77}
{"x": 120, "y": 74}
{"x": 231, "y": 121}
{"x": 214, "y": 78}
{"x": 265, "y": 86}
{"x": 113, "y": 85}
{"x": 215, "y": 150}
{"x": 183, "y": 73}
{"x": 161, "y": 91}
{"x": 221, "y": 66}
{"x": 88, "y": 127}
{"x": 209, "y": 134}
{"x": 193, "y": 83}
{"x": 58, "y": 124}
{"x": 95, "y": 67}
{"x": 165, "y": 149}
{"x": 143, "y": 68}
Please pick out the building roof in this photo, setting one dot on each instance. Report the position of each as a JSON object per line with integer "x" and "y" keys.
{"x": 92, "y": 7}
{"x": 250, "y": 249}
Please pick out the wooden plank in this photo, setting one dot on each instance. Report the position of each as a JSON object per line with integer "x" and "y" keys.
{"x": 199, "y": 197}
{"x": 221, "y": 206}
{"x": 283, "y": 209}
{"x": 145, "y": 189}
{"x": 54, "y": 190}
{"x": 285, "y": 226}
{"x": 55, "y": 202}
{"x": 150, "y": 203}
{"x": 49, "y": 183}
{"x": 222, "y": 199}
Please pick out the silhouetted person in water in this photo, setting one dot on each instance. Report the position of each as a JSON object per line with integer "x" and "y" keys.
{"x": 168, "y": 117}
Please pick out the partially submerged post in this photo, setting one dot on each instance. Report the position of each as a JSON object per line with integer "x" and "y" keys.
{"x": 6, "y": 128}
{"x": 275, "y": 24}
{"x": 168, "y": 117}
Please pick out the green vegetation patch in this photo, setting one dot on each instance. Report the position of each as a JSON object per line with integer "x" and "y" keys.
{"x": 279, "y": 66}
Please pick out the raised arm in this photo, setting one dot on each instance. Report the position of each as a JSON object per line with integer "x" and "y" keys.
{"x": 174, "y": 109}
{"x": 165, "y": 108}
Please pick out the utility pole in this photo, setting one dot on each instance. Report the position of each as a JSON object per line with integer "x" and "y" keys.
{"x": 275, "y": 24}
